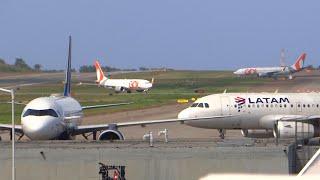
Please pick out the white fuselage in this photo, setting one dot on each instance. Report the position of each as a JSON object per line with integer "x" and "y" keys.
{"x": 127, "y": 84}
{"x": 250, "y": 110}
{"x": 262, "y": 71}
{"x": 50, "y": 117}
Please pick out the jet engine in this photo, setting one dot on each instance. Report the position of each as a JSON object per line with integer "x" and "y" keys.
{"x": 110, "y": 135}
{"x": 289, "y": 129}
{"x": 257, "y": 133}
{"x": 119, "y": 89}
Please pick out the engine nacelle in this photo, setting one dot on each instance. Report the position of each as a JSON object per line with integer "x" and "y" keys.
{"x": 110, "y": 135}
{"x": 257, "y": 133}
{"x": 289, "y": 129}
{"x": 119, "y": 89}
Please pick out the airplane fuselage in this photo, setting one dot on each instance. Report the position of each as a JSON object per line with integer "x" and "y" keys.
{"x": 127, "y": 84}
{"x": 264, "y": 71}
{"x": 250, "y": 110}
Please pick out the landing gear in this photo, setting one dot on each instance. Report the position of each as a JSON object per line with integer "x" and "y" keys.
{"x": 290, "y": 77}
{"x": 222, "y": 133}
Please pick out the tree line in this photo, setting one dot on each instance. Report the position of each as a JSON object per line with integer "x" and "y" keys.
{"x": 19, "y": 66}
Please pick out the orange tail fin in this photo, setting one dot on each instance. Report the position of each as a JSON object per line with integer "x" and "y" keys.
{"x": 100, "y": 74}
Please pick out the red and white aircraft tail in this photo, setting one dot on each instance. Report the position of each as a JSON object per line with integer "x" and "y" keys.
{"x": 298, "y": 65}
{"x": 100, "y": 75}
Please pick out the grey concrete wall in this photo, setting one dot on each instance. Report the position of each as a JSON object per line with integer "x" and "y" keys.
{"x": 142, "y": 163}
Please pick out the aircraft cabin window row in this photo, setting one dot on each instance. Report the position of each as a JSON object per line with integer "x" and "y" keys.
{"x": 46, "y": 112}
{"x": 280, "y": 105}
{"x": 201, "y": 105}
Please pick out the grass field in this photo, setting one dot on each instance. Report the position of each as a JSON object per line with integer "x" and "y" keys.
{"x": 169, "y": 86}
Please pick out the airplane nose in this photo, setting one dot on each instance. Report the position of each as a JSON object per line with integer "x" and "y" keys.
{"x": 41, "y": 128}
{"x": 184, "y": 114}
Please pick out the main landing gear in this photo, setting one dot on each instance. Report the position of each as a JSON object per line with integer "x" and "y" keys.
{"x": 222, "y": 133}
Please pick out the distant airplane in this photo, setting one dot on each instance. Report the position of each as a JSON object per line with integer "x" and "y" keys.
{"x": 122, "y": 85}
{"x": 263, "y": 115}
{"x": 274, "y": 72}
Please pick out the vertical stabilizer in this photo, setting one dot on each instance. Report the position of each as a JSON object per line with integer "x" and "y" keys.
{"x": 67, "y": 85}
{"x": 100, "y": 75}
{"x": 298, "y": 65}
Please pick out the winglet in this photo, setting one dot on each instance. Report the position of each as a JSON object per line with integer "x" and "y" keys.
{"x": 67, "y": 85}
{"x": 100, "y": 74}
{"x": 298, "y": 65}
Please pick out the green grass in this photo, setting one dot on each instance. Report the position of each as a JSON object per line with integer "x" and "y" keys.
{"x": 169, "y": 86}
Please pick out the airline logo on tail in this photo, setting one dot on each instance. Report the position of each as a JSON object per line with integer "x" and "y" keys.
{"x": 298, "y": 65}
{"x": 100, "y": 74}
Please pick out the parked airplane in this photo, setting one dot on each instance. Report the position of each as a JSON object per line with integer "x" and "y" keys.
{"x": 259, "y": 114}
{"x": 59, "y": 117}
{"x": 122, "y": 85}
{"x": 274, "y": 71}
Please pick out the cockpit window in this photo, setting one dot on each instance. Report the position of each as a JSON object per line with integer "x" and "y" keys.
{"x": 194, "y": 105}
{"x": 200, "y": 105}
{"x": 206, "y": 105}
{"x": 45, "y": 112}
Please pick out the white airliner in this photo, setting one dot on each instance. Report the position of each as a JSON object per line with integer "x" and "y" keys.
{"x": 259, "y": 114}
{"x": 122, "y": 85}
{"x": 274, "y": 72}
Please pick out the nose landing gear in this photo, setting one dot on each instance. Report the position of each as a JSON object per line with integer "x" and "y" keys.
{"x": 222, "y": 133}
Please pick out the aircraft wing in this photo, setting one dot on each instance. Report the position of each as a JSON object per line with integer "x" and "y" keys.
{"x": 90, "y": 84}
{"x": 90, "y": 128}
{"x": 8, "y": 127}
{"x": 105, "y": 105}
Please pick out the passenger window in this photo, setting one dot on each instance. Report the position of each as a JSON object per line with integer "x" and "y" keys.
{"x": 235, "y": 106}
{"x": 267, "y": 105}
{"x": 248, "y": 105}
{"x": 206, "y": 105}
{"x": 285, "y": 105}
{"x": 200, "y": 105}
{"x": 292, "y": 105}
{"x": 317, "y": 105}
{"x": 308, "y": 105}
{"x": 299, "y": 105}
{"x": 304, "y": 105}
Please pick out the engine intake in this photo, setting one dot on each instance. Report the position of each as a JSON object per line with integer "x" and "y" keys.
{"x": 289, "y": 129}
{"x": 257, "y": 133}
{"x": 110, "y": 135}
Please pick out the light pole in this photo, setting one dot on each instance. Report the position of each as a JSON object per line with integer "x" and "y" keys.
{"x": 12, "y": 130}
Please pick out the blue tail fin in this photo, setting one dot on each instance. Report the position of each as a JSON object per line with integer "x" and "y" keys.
{"x": 67, "y": 85}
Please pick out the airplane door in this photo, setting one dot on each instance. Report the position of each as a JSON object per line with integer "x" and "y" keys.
{"x": 225, "y": 105}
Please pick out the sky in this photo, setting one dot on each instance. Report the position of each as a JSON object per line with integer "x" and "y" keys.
{"x": 181, "y": 34}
